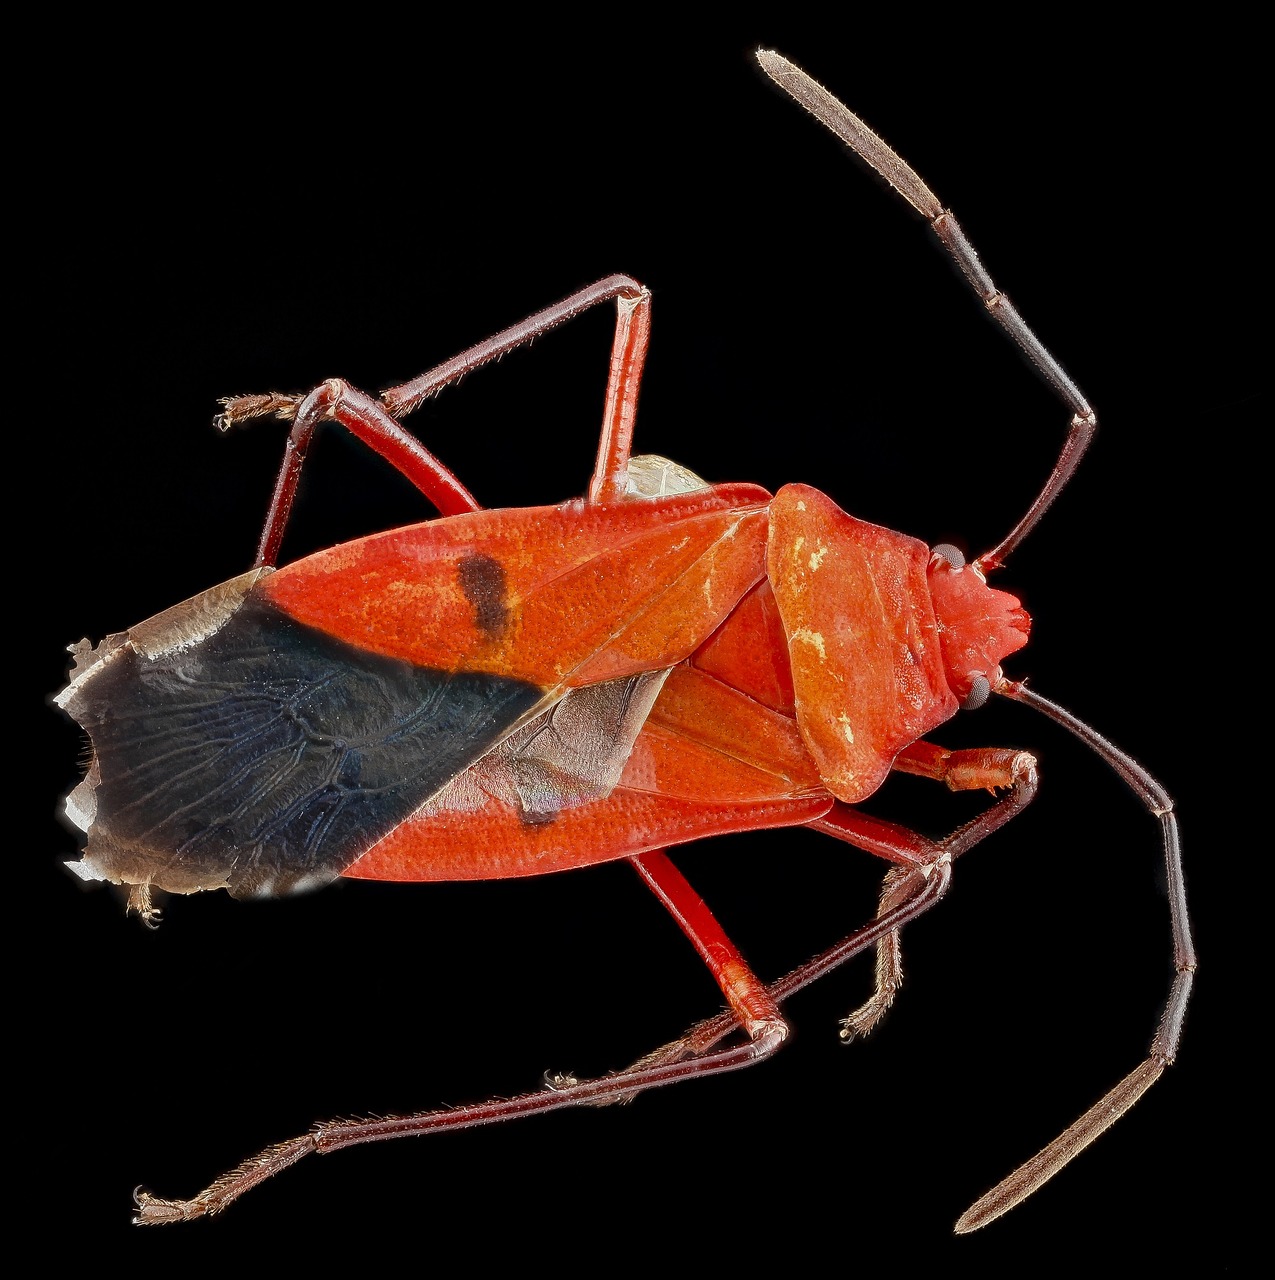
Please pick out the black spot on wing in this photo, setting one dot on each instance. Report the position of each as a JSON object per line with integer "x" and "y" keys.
{"x": 482, "y": 579}
{"x": 270, "y": 756}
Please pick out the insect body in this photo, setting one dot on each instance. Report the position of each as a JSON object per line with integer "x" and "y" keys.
{"x": 500, "y": 693}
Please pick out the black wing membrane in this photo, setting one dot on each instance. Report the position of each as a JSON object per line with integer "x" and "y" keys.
{"x": 267, "y": 757}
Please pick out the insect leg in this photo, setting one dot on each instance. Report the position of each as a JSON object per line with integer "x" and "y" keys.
{"x": 368, "y": 420}
{"x": 752, "y": 1005}
{"x": 925, "y": 887}
{"x": 920, "y": 878}
{"x": 628, "y": 355}
{"x": 897, "y": 888}
{"x": 841, "y": 121}
{"x": 914, "y": 854}
{"x": 376, "y": 423}
{"x": 705, "y": 1059}
{"x": 407, "y": 396}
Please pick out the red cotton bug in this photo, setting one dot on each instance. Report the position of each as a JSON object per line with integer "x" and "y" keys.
{"x": 506, "y": 693}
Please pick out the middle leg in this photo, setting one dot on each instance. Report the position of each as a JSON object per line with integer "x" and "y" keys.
{"x": 376, "y": 421}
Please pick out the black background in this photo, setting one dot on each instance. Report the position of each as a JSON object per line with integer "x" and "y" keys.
{"x": 249, "y": 213}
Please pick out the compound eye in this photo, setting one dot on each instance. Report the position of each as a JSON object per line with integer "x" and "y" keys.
{"x": 980, "y": 691}
{"x": 954, "y": 556}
